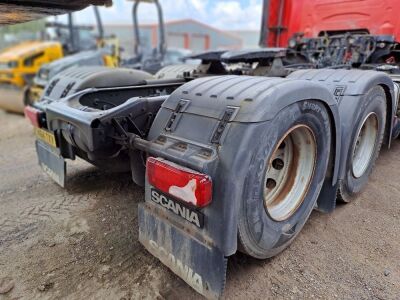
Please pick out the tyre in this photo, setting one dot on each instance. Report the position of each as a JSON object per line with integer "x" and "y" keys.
{"x": 285, "y": 176}
{"x": 366, "y": 144}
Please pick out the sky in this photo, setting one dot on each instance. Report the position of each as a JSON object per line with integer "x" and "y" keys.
{"x": 223, "y": 14}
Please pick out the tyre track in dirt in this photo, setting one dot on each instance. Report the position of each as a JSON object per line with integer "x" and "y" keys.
{"x": 83, "y": 240}
{"x": 36, "y": 210}
{"x": 35, "y": 215}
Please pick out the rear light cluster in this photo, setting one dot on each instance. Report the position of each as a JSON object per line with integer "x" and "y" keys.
{"x": 182, "y": 183}
{"x": 33, "y": 115}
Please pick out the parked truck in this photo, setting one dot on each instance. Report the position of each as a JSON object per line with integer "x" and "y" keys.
{"x": 235, "y": 154}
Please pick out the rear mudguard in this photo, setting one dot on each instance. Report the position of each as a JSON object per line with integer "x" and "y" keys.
{"x": 209, "y": 125}
{"x": 74, "y": 80}
{"x": 348, "y": 88}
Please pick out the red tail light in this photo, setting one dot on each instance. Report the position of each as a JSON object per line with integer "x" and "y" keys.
{"x": 182, "y": 183}
{"x": 32, "y": 114}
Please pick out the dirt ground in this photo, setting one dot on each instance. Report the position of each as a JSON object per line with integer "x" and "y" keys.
{"x": 82, "y": 242}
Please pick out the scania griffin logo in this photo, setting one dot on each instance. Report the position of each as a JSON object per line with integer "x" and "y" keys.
{"x": 177, "y": 208}
{"x": 338, "y": 93}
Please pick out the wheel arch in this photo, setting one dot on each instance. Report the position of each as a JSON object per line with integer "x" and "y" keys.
{"x": 348, "y": 88}
{"x": 320, "y": 93}
{"x": 327, "y": 199}
{"x": 73, "y": 80}
{"x": 255, "y": 102}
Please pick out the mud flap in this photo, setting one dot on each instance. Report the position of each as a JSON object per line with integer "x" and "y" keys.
{"x": 202, "y": 267}
{"x": 51, "y": 162}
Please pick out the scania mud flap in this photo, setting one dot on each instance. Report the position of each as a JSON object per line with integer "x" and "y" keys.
{"x": 202, "y": 266}
{"x": 51, "y": 162}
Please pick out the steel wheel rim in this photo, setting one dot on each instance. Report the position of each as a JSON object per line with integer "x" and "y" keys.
{"x": 290, "y": 172}
{"x": 365, "y": 145}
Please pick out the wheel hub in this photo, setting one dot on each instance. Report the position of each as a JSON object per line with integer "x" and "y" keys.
{"x": 289, "y": 173}
{"x": 365, "y": 145}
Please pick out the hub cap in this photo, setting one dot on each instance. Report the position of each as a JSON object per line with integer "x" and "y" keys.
{"x": 365, "y": 145}
{"x": 289, "y": 173}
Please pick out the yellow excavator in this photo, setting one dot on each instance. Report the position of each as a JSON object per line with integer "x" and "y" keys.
{"x": 20, "y": 64}
{"x": 108, "y": 55}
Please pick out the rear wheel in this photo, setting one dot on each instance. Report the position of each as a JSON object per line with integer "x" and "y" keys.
{"x": 284, "y": 179}
{"x": 366, "y": 144}
{"x": 289, "y": 173}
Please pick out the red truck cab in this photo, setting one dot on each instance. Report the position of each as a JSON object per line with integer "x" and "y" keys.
{"x": 282, "y": 19}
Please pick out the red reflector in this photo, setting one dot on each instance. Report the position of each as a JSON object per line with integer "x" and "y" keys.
{"x": 32, "y": 114}
{"x": 180, "y": 182}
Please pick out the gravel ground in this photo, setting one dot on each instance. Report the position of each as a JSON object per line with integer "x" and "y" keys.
{"x": 82, "y": 241}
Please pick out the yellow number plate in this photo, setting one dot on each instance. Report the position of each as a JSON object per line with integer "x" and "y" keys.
{"x": 46, "y": 136}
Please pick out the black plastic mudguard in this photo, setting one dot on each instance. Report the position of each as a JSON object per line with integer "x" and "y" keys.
{"x": 73, "y": 80}
{"x": 210, "y": 125}
{"x": 348, "y": 88}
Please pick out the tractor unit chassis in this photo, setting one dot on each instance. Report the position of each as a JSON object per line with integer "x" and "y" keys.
{"x": 231, "y": 157}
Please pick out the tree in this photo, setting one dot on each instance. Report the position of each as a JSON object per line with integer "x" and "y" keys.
{"x": 15, "y": 33}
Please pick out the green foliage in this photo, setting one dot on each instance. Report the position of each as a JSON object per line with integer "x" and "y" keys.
{"x": 31, "y": 27}
{"x": 20, "y": 32}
